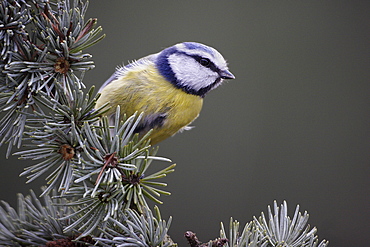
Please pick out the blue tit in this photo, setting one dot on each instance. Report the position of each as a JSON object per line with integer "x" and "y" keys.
{"x": 167, "y": 87}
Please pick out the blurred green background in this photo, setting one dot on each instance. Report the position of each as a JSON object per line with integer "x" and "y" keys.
{"x": 293, "y": 126}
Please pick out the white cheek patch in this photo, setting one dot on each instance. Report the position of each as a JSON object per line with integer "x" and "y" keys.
{"x": 190, "y": 73}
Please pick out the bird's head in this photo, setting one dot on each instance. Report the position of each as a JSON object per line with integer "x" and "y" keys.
{"x": 193, "y": 67}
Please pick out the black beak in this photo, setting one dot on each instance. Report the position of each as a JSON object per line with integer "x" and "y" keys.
{"x": 225, "y": 74}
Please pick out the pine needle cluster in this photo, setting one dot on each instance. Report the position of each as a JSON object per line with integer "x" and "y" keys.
{"x": 97, "y": 179}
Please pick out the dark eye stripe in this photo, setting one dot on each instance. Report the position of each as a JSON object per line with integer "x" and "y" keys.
{"x": 210, "y": 65}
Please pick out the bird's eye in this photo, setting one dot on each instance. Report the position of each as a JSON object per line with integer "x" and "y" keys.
{"x": 205, "y": 62}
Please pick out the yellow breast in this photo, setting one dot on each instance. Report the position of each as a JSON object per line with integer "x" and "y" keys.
{"x": 143, "y": 89}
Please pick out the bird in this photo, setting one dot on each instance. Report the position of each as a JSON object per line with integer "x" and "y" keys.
{"x": 167, "y": 87}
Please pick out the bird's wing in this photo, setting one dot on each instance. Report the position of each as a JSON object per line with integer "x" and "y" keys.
{"x": 148, "y": 122}
{"x": 151, "y": 121}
